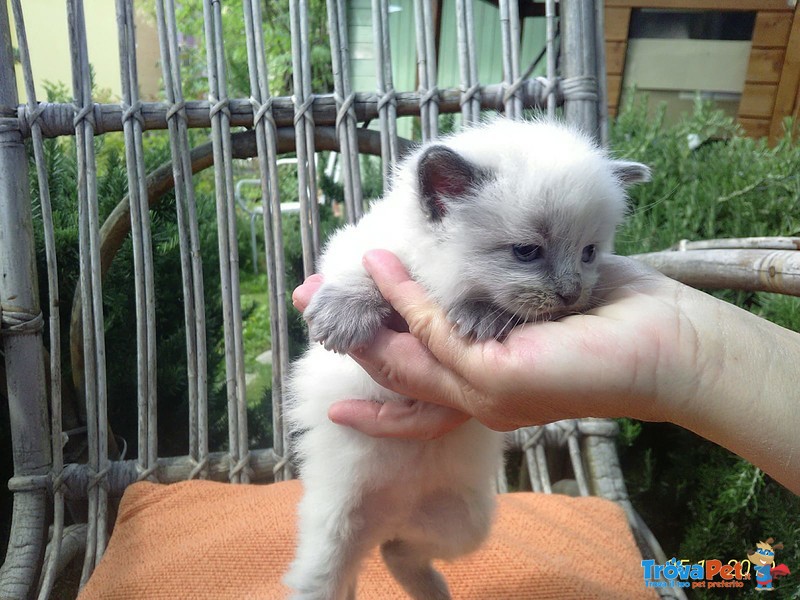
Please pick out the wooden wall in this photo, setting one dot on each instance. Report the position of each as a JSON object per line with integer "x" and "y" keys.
{"x": 772, "y": 84}
{"x": 618, "y": 20}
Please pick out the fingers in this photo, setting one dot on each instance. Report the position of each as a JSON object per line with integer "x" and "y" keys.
{"x": 401, "y": 363}
{"x": 426, "y": 321}
{"x": 303, "y": 293}
{"x": 396, "y": 360}
{"x": 409, "y": 419}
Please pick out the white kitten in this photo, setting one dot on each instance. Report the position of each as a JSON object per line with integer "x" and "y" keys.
{"x": 502, "y": 223}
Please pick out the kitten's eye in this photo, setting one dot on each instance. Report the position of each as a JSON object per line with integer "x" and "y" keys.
{"x": 527, "y": 253}
{"x": 589, "y": 252}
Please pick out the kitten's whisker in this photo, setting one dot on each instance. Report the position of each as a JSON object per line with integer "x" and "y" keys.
{"x": 593, "y": 301}
{"x": 508, "y": 327}
{"x": 527, "y": 315}
{"x": 513, "y": 317}
{"x": 496, "y": 313}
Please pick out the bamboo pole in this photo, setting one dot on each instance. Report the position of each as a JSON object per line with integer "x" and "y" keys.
{"x": 91, "y": 288}
{"x": 387, "y": 101}
{"x": 550, "y": 45}
{"x": 468, "y": 65}
{"x": 122, "y": 473}
{"x": 426, "y": 70}
{"x": 345, "y": 114}
{"x": 763, "y": 243}
{"x": 188, "y": 237}
{"x": 580, "y": 66}
{"x": 510, "y": 33}
{"x": 752, "y": 269}
{"x": 228, "y": 247}
{"x": 54, "y": 547}
{"x": 311, "y": 162}
{"x": 303, "y": 120}
{"x": 144, "y": 286}
{"x": 270, "y": 202}
{"x": 56, "y": 119}
{"x": 20, "y": 318}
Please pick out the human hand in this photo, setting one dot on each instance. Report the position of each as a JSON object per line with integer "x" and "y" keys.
{"x": 629, "y": 356}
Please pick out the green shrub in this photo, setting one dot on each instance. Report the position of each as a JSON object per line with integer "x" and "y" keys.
{"x": 729, "y": 186}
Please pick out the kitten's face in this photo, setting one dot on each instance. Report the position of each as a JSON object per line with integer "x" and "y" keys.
{"x": 532, "y": 252}
{"x": 523, "y": 231}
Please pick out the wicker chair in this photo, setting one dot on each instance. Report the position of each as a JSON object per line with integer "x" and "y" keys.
{"x": 573, "y": 455}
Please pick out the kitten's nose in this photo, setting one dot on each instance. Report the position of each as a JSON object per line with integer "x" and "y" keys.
{"x": 569, "y": 298}
{"x": 569, "y": 292}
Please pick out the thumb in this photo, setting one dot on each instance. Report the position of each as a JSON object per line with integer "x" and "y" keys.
{"x": 426, "y": 320}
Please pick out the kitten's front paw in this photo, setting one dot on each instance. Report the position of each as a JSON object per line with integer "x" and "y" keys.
{"x": 481, "y": 321}
{"x": 346, "y": 317}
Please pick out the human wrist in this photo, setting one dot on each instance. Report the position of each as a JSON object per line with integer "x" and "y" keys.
{"x": 728, "y": 366}
{"x": 746, "y": 391}
{"x": 692, "y": 359}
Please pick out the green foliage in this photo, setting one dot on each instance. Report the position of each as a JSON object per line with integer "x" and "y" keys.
{"x": 702, "y": 501}
{"x": 277, "y": 39}
{"x": 729, "y": 186}
{"x": 371, "y": 182}
{"x": 255, "y": 329}
{"x": 628, "y": 432}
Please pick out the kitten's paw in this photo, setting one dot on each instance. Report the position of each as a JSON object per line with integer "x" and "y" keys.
{"x": 481, "y": 321}
{"x": 345, "y": 317}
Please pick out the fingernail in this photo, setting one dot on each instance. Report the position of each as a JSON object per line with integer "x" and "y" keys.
{"x": 370, "y": 256}
{"x": 313, "y": 278}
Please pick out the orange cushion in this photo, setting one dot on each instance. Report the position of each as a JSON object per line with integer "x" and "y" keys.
{"x": 201, "y": 539}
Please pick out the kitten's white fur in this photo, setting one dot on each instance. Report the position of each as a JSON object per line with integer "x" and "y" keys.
{"x": 434, "y": 499}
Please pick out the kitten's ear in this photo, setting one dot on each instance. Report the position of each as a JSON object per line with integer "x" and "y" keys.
{"x": 629, "y": 172}
{"x": 444, "y": 176}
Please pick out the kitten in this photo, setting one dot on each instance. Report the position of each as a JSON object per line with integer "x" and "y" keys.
{"x": 502, "y": 223}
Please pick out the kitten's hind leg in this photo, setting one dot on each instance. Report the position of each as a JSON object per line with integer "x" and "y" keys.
{"x": 326, "y": 573}
{"x": 331, "y": 547}
{"x": 412, "y": 568}
{"x": 446, "y": 524}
